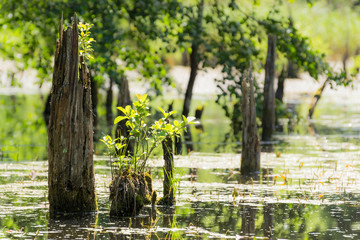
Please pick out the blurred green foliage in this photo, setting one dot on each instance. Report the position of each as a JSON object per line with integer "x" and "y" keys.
{"x": 139, "y": 35}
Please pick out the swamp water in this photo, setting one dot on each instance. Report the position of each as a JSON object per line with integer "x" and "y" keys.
{"x": 308, "y": 189}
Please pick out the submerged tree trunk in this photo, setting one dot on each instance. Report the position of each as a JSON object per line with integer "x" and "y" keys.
{"x": 71, "y": 173}
{"x": 316, "y": 99}
{"x": 250, "y": 154}
{"x": 268, "y": 118}
{"x": 168, "y": 184}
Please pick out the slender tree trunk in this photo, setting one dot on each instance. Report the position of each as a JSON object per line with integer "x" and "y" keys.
{"x": 71, "y": 173}
{"x": 168, "y": 184}
{"x": 94, "y": 100}
{"x": 194, "y": 61}
{"x": 250, "y": 154}
{"x": 108, "y": 105}
{"x": 268, "y": 118}
{"x": 185, "y": 58}
{"x": 194, "y": 64}
{"x": 279, "y": 95}
{"x": 292, "y": 68}
{"x": 316, "y": 99}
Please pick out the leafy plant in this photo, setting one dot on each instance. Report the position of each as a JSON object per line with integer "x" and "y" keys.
{"x": 85, "y": 41}
{"x": 146, "y": 137}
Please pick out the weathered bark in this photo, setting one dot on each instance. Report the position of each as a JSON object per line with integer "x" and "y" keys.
{"x": 316, "y": 99}
{"x": 250, "y": 154}
{"x": 108, "y": 105}
{"x": 279, "y": 95}
{"x": 46, "y": 112}
{"x": 124, "y": 99}
{"x": 168, "y": 183}
{"x": 71, "y": 172}
{"x": 268, "y": 118}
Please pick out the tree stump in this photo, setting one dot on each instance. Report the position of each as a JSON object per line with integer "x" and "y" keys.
{"x": 168, "y": 184}
{"x": 71, "y": 172}
{"x": 129, "y": 192}
{"x": 250, "y": 154}
{"x": 268, "y": 118}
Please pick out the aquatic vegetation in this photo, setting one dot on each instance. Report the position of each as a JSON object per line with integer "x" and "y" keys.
{"x": 128, "y": 185}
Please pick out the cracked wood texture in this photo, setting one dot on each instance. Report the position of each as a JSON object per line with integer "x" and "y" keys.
{"x": 71, "y": 177}
{"x": 250, "y": 153}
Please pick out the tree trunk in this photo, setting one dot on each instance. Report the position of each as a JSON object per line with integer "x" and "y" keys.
{"x": 292, "y": 67}
{"x": 178, "y": 145}
{"x": 46, "y": 112}
{"x": 292, "y": 70}
{"x": 185, "y": 58}
{"x": 168, "y": 184}
{"x": 124, "y": 99}
{"x": 71, "y": 172}
{"x": 268, "y": 118}
{"x": 250, "y": 154}
{"x": 316, "y": 99}
{"x": 279, "y": 95}
{"x": 108, "y": 105}
{"x": 194, "y": 61}
{"x": 94, "y": 100}
{"x": 194, "y": 64}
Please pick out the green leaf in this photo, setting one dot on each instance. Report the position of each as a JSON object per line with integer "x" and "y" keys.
{"x": 163, "y": 111}
{"x": 120, "y": 118}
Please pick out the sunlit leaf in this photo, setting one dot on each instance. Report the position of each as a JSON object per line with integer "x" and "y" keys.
{"x": 119, "y": 118}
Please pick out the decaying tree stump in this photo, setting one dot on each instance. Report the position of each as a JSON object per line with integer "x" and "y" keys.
{"x": 250, "y": 154}
{"x": 168, "y": 184}
{"x": 129, "y": 192}
{"x": 71, "y": 172}
{"x": 268, "y": 118}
